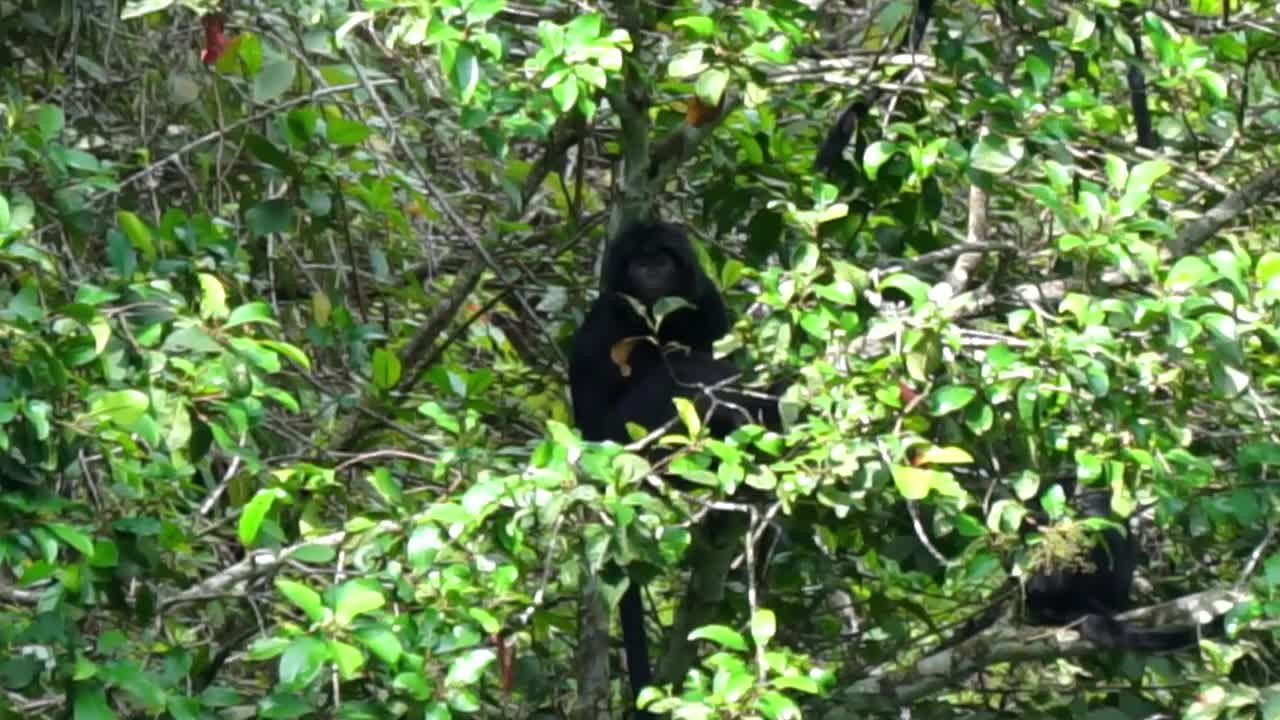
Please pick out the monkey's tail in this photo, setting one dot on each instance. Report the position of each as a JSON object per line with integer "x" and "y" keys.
{"x": 634, "y": 642}
{"x": 831, "y": 152}
{"x": 1110, "y": 632}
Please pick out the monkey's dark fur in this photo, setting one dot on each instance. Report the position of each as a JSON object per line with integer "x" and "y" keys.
{"x": 647, "y": 262}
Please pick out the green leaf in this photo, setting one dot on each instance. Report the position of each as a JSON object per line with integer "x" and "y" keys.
{"x": 913, "y": 483}
{"x": 592, "y": 75}
{"x": 386, "y": 369}
{"x": 306, "y": 599}
{"x": 1039, "y": 71}
{"x": 106, "y": 554}
{"x": 314, "y": 554}
{"x": 121, "y": 407}
{"x": 276, "y": 77}
{"x": 26, "y": 305}
{"x": 440, "y": 415}
{"x": 469, "y": 668}
{"x": 711, "y": 86}
{"x": 1228, "y": 265}
{"x": 301, "y": 126}
{"x": 583, "y": 30}
{"x": 91, "y": 703}
{"x": 213, "y": 297}
{"x": 194, "y": 338}
{"x": 1082, "y": 26}
{"x": 776, "y": 706}
{"x": 356, "y": 597}
{"x": 290, "y": 351}
{"x": 491, "y": 44}
{"x": 303, "y": 661}
{"x": 915, "y": 289}
{"x": 1117, "y": 172}
{"x": 1187, "y": 273}
{"x": 73, "y": 537}
{"x": 1268, "y": 270}
{"x": 443, "y": 34}
{"x": 481, "y": 11}
{"x": 424, "y": 543}
{"x": 876, "y": 155}
{"x": 284, "y": 705}
{"x": 798, "y": 682}
{"x": 130, "y": 678}
{"x": 138, "y": 233}
{"x": 722, "y": 635}
{"x": 764, "y": 625}
{"x": 267, "y": 152}
{"x": 269, "y": 216}
{"x": 566, "y": 93}
{"x": 944, "y": 456}
{"x": 689, "y": 415}
{"x": 1145, "y": 175}
{"x": 1221, "y": 325}
{"x": 1213, "y": 82}
{"x": 37, "y": 413}
{"x": 699, "y": 25}
{"x": 758, "y": 19}
{"x": 138, "y": 8}
{"x": 686, "y": 64}
{"x": 415, "y": 686}
{"x": 341, "y": 131}
{"x": 255, "y": 511}
{"x": 949, "y": 398}
{"x": 51, "y": 121}
{"x": 1059, "y": 176}
{"x": 382, "y": 642}
{"x": 254, "y": 312}
{"x": 733, "y": 683}
{"x": 997, "y": 155}
{"x": 1228, "y": 380}
{"x": 487, "y": 622}
{"x": 466, "y": 73}
{"x": 347, "y": 658}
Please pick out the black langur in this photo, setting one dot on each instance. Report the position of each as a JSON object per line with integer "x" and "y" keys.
{"x": 1098, "y": 585}
{"x": 1098, "y": 589}
{"x": 622, "y": 370}
{"x": 848, "y": 125}
{"x": 647, "y": 262}
{"x": 698, "y": 376}
{"x": 1092, "y": 589}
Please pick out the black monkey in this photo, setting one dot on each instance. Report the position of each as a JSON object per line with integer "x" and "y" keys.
{"x": 1099, "y": 591}
{"x": 1099, "y": 586}
{"x": 647, "y": 262}
{"x": 1093, "y": 591}
{"x": 695, "y": 375}
{"x": 847, "y": 126}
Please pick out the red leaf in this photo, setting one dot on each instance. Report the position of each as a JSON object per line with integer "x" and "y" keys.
{"x": 215, "y": 43}
{"x": 907, "y": 393}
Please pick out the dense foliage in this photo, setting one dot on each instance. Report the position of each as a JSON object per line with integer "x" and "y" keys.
{"x": 286, "y": 289}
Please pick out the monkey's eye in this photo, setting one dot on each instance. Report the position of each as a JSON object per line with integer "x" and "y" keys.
{"x": 656, "y": 263}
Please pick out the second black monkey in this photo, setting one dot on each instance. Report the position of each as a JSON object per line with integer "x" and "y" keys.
{"x": 1099, "y": 591}
{"x": 647, "y": 262}
{"x": 1093, "y": 591}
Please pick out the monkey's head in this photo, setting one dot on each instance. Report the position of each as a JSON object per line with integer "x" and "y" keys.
{"x": 649, "y": 261}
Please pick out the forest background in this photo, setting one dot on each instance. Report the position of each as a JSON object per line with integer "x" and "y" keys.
{"x": 286, "y": 290}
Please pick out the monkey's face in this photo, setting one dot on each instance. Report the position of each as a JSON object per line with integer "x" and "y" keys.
{"x": 652, "y": 273}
